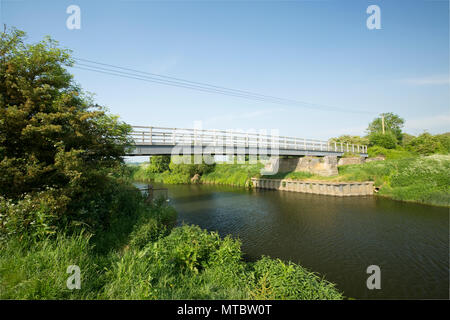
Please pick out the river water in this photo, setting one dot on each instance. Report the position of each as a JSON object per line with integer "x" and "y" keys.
{"x": 336, "y": 237}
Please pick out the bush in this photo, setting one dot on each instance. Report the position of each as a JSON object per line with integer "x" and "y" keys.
{"x": 153, "y": 227}
{"x": 159, "y": 164}
{"x": 178, "y": 173}
{"x": 444, "y": 139}
{"x": 387, "y": 140}
{"x": 397, "y": 153}
{"x": 33, "y": 216}
{"x": 147, "y": 232}
{"x": 426, "y": 144}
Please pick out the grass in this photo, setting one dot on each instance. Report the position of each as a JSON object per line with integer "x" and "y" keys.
{"x": 223, "y": 173}
{"x": 150, "y": 260}
{"x": 390, "y": 154}
{"x": 232, "y": 174}
{"x": 420, "y": 179}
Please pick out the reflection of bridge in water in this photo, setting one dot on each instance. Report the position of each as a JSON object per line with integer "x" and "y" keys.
{"x": 166, "y": 141}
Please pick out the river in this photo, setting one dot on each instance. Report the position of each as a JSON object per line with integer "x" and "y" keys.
{"x": 335, "y": 237}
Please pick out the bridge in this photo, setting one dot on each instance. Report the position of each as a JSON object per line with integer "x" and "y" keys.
{"x": 150, "y": 141}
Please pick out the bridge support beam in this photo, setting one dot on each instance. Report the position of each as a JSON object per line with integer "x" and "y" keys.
{"x": 323, "y": 166}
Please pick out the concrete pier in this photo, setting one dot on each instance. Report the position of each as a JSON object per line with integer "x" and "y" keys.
{"x": 340, "y": 189}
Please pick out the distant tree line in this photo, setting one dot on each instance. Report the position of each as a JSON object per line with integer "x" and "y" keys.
{"x": 392, "y": 137}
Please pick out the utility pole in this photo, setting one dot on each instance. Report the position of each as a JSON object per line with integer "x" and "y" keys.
{"x": 382, "y": 122}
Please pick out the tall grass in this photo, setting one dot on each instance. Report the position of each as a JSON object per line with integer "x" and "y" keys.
{"x": 232, "y": 174}
{"x": 419, "y": 179}
{"x": 150, "y": 260}
{"x": 192, "y": 263}
{"x": 39, "y": 271}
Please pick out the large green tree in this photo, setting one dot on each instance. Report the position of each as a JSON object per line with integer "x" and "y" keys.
{"x": 51, "y": 135}
{"x": 392, "y": 123}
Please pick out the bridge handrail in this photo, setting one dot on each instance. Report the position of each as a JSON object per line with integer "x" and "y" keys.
{"x": 170, "y": 136}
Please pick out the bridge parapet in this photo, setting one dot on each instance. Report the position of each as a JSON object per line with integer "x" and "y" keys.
{"x": 160, "y": 136}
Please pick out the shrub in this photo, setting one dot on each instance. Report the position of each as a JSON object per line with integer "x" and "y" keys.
{"x": 444, "y": 139}
{"x": 159, "y": 164}
{"x": 153, "y": 226}
{"x": 426, "y": 144}
{"x": 147, "y": 232}
{"x": 33, "y": 216}
{"x": 397, "y": 153}
{"x": 387, "y": 140}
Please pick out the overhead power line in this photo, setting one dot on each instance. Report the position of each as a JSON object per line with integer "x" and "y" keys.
{"x": 114, "y": 70}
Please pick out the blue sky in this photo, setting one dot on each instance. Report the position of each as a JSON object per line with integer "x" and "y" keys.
{"x": 315, "y": 51}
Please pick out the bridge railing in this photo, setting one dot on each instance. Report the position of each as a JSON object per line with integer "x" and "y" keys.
{"x": 177, "y": 136}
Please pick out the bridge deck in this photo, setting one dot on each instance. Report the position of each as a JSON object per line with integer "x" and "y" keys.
{"x": 166, "y": 141}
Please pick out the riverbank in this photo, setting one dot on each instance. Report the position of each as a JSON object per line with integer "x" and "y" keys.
{"x": 421, "y": 179}
{"x": 143, "y": 256}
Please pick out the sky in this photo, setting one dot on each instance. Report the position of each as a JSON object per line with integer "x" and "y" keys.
{"x": 320, "y": 52}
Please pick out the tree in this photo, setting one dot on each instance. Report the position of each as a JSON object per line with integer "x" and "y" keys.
{"x": 387, "y": 140}
{"x": 51, "y": 135}
{"x": 444, "y": 139}
{"x": 159, "y": 164}
{"x": 392, "y": 123}
{"x": 407, "y": 139}
{"x": 426, "y": 144}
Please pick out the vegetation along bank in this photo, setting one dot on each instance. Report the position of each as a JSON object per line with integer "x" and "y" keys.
{"x": 66, "y": 199}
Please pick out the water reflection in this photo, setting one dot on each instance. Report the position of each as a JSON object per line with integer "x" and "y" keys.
{"x": 336, "y": 237}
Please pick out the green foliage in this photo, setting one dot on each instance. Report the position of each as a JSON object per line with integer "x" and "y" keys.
{"x": 444, "y": 139}
{"x": 397, "y": 153}
{"x": 274, "y": 279}
{"x": 188, "y": 263}
{"x": 152, "y": 227}
{"x": 52, "y": 138}
{"x": 417, "y": 179}
{"x": 159, "y": 164}
{"x": 39, "y": 271}
{"x": 350, "y": 140}
{"x": 233, "y": 174}
{"x": 427, "y": 144}
{"x": 32, "y": 216}
{"x": 392, "y": 123}
{"x": 179, "y": 171}
{"x": 192, "y": 263}
{"x": 406, "y": 139}
{"x": 300, "y": 175}
{"x": 387, "y": 140}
